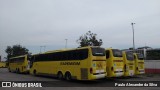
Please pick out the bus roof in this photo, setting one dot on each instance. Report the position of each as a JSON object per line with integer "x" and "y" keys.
{"x": 18, "y": 56}
{"x": 111, "y": 49}
{"x": 56, "y": 50}
{"x": 61, "y": 50}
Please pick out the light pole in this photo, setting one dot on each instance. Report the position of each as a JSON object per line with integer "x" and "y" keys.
{"x": 66, "y": 43}
{"x": 133, "y": 36}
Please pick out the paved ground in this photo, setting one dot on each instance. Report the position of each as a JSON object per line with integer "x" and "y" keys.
{"x": 102, "y": 84}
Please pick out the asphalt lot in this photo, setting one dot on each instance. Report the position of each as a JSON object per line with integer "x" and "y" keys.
{"x": 56, "y": 84}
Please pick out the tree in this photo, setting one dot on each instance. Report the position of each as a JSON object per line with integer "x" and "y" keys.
{"x": 15, "y": 50}
{"x": 89, "y": 39}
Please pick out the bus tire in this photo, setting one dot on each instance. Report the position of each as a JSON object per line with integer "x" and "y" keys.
{"x": 18, "y": 71}
{"x": 34, "y": 72}
{"x": 68, "y": 76}
{"x": 60, "y": 75}
{"x": 125, "y": 68}
{"x": 9, "y": 69}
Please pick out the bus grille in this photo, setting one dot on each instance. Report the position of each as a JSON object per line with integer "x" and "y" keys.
{"x": 84, "y": 73}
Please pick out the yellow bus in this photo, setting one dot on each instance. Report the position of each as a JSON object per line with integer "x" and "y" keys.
{"x": 2, "y": 64}
{"x": 139, "y": 63}
{"x": 115, "y": 63}
{"x": 19, "y": 64}
{"x": 129, "y": 63}
{"x": 86, "y": 63}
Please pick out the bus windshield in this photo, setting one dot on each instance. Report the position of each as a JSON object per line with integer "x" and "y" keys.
{"x": 129, "y": 56}
{"x": 140, "y": 56}
{"x": 98, "y": 51}
{"x": 117, "y": 53}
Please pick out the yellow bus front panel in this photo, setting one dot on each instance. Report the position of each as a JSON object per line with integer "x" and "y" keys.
{"x": 115, "y": 63}
{"x": 139, "y": 64}
{"x": 129, "y": 64}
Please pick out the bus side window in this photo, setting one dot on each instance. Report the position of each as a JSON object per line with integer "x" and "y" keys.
{"x": 107, "y": 54}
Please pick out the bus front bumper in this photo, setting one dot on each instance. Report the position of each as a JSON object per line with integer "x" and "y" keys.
{"x": 119, "y": 73}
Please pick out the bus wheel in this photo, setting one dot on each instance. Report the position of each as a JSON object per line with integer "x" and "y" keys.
{"x": 18, "y": 70}
{"x": 68, "y": 76}
{"x": 125, "y": 68}
{"x": 34, "y": 72}
{"x": 60, "y": 75}
{"x": 9, "y": 69}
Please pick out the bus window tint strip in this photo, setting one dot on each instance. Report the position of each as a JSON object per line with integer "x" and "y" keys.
{"x": 80, "y": 54}
{"x": 17, "y": 60}
{"x": 140, "y": 56}
{"x": 98, "y": 51}
{"x": 117, "y": 53}
{"x": 129, "y": 56}
{"x": 107, "y": 54}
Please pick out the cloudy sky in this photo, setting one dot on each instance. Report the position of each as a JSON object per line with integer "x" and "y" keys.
{"x": 35, "y": 23}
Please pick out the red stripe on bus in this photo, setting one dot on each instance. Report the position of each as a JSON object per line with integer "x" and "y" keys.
{"x": 150, "y": 70}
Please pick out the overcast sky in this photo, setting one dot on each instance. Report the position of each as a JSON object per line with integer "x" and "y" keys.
{"x": 35, "y": 23}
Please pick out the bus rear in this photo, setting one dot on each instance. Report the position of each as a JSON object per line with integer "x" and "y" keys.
{"x": 115, "y": 63}
{"x": 98, "y": 63}
{"x": 129, "y": 64}
{"x": 2, "y": 64}
{"x": 139, "y": 63}
{"x": 19, "y": 64}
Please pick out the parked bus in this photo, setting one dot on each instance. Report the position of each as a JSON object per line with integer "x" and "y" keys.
{"x": 19, "y": 64}
{"x": 115, "y": 63}
{"x": 2, "y": 64}
{"x": 139, "y": 63}
{"x": 86, "y": 63}
{"x": 129, "y": 63}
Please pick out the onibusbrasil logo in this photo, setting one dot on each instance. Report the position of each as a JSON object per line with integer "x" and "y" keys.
{"x": 21, "y": 84}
